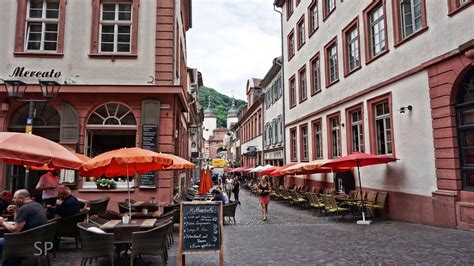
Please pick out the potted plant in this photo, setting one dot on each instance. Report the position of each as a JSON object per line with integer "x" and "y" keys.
{"x": 105, "y": 183}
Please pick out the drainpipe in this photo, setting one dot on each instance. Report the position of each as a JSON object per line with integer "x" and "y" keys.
{"x": 282, "y": 83}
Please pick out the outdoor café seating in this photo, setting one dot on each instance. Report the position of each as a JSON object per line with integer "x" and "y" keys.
{"x": 228, "y": 211}
{"x": 95, "y": 244}
{"x": 98, "y": 206}
{"x": 67, "y": 228}
{"x": 21, "y": 245}
{"x": 151, "y": 242}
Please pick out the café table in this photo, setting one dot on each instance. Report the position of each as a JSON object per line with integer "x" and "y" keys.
{"x": 148, "y": 215}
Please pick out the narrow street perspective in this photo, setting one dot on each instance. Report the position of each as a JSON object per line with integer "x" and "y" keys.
{"x": 236, "y": 132}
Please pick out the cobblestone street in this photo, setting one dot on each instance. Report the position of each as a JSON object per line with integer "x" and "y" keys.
{"x": 293, "y": 236}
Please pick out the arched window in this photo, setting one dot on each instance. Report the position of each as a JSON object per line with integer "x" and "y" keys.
{"x": 112, "y": 114}
{"x": 46, "y": 120}
{"x": 465, "y": 126}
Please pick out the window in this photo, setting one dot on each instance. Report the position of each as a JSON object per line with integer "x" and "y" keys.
{"x": 275, "y": 131}
{"x": 304, "y": 143}
{"x": 328, "y": 8}
{"x": 409, "y": 17}
{"x": 293, "y": 155}
{"x": 351, "y": 47}
{"x": 315, "y": 75}
{"x": 334, "y": 136}
{"x": 331, "y": 62}
{"x": 356, "y": 131}
{"x": 289, "y": 8}
{"x": 381, "y": 125}
{"x": 376, "y": 41}
{"x": 40, "y": 27}
{"x": 114, "y": 28}
{"x": 301, "y": 33}
{"x": 270, "y": 134}
{"x": 265, "y": 136}
{"x": 317, "y": 140}
{"x": 268, "y": 98}
{"x": 313, "y": 17}
{"x": 292, "y": 92}
{"x": 303, "y": 90}
{"x": 291, "y": 45}
{"x": 383, "y": 128}
{"x": 280, "y": 129}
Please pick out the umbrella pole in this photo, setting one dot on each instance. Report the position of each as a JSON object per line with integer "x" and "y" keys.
{"x": 128, "y": 192}
{"x": 363, "y": 221}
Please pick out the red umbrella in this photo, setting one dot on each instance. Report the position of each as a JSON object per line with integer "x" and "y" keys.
{"x": 33, "y": 150}
{"x": 277, "y": 172}
{"x": 268, "y": 170}
{"x": 205, "y": 183}
{"x": 359, "y": 159}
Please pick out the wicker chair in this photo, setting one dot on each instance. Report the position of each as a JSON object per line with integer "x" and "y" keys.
{"x": 26, "y": 244}
{"x": 97, "y": 221}
{"x": 67, "y": 227}
{"x": 172, "y": 207}
{"x": 123, "y": 207}
{"x": 95, "y": 245}
{"x": 99, "y": 206}
{"x": 228, "y": 210}
{"x": 151, "y": 242}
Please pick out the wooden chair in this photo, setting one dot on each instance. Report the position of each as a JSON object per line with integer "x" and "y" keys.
{"x": 379, "y": 203}
{"x": 95, "y": 245}
{"x": 98, "y": 206}
{"x": 151, "y": 242}
{"x": 228, "y": 210}
{"x": 67, "y": 227}
{"x": 22, "y": 245}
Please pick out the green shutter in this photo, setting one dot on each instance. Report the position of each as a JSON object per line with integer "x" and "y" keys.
{"x": 69, "y": 132}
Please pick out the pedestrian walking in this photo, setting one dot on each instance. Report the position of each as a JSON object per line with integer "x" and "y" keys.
{"x": 229, "y": 185}
{"x": 264, "y": 191}
{"x": 236, "y": 189}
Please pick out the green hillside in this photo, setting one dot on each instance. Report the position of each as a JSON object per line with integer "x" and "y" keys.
{"x": 220, "y": 103}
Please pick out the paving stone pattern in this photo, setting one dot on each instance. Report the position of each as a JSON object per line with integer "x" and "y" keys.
{"x": 294, "y": 236}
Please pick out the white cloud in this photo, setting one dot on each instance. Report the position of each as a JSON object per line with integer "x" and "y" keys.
{"x": 232, "y": 41}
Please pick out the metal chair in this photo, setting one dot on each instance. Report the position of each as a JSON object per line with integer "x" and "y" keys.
{"x": 228, "y": 210}
{"x": 151, "y": 242}
{"x": 98, "y": 206}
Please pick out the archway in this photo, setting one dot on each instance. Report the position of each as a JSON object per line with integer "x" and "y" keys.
{"x": 46, "y": 123}
{"x": 465, "y": 129}
{"x": 110, "y": 126}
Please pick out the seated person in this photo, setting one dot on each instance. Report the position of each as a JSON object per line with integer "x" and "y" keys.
{"x": 5, "y": 200}
{"x": 69, "y": 206}
{"x": 225, "y": 199}
{"x": 216, "y": 196}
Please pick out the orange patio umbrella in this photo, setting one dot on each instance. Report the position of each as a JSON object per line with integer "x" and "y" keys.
{"x": 205, "y": 183}
{"x": 126, "y": 161}
{"x": 45, "y": 167}
{"x": 178, "y": 163}
{"x": 32, "y": 150}
{"x": 277, "y": 172}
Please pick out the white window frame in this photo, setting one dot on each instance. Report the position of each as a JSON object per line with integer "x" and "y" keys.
{"x": 330, "y": 5}
{"x": 303, "y": 88}
{"x": 414, "y": 11}
{"x": 313, "y": 17}
{"x": 357, "y": 131}
{"x": 301, "y": 33}
{"x": 316, "y": 72}
{"x": 353, "y": 60}
{"x": 304, "y": 143}
{"x": 377, "y": 31}
{"x": 382, "y": 124}
{"x": 318, "y": 140}
{"x": 116, "y": 23}
{"x": 335, "y": 136}
{"x": 291, "y": 41}
{"x": 332, "y": 63}
{"x": 43, "y": 21}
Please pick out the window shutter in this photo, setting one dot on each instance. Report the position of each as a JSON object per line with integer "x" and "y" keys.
{"x": 69, "y": 131}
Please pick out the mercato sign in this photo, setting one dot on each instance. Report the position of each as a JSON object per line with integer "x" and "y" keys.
{"x": 20, "y": 72}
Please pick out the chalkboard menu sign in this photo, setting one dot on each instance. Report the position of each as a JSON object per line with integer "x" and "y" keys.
{"x": 149, "y": 134}
{"x": 201, "y": 227}
{"x": 149, "y": 142}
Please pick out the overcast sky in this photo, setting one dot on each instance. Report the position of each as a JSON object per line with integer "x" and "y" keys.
{"x": 232, "y": 41}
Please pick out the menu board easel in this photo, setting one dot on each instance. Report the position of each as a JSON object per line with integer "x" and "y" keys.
{"x": 200, "y": 229}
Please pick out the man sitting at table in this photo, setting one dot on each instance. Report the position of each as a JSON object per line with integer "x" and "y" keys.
{"x": 217, "y": 196}
{"x": 29, "y": 214}
{"x": 225, "y": 199}
{"x": 70, "y": 205}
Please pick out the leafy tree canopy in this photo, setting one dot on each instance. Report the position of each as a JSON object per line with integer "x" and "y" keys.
{"x": 220, "y": 103}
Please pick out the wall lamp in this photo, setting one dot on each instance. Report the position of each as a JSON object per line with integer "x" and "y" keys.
{"x": 49, "y": 88}
{"x": 15, "y": 88}
{"x": 404, "y": 109}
